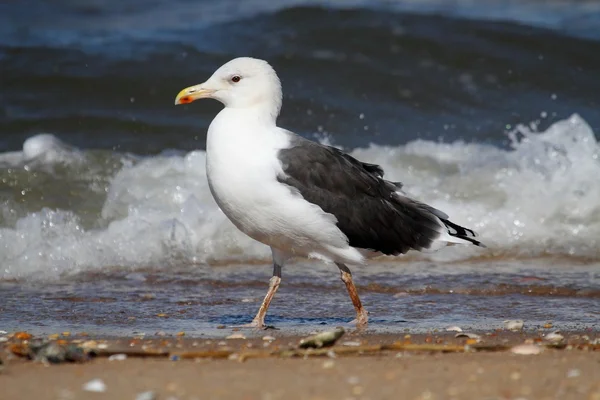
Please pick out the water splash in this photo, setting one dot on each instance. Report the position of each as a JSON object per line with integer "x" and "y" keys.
{"x": 537, "y": 198}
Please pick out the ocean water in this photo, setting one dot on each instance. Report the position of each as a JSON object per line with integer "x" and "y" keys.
{"x": 488, "y": 111}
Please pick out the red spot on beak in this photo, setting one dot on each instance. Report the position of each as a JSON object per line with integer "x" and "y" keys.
{"x": 185, "y": 100}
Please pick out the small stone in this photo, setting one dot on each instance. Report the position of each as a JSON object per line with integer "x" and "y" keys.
{"x": 118, "y": 357}
{"x": 469, "y": 335}
{"x": 54, "y": 336}
{"x": 268, "y": 338}
{"x": 357, "y": 390}
{"x": 426, "y": 395}
{"x": 23, "y": 336}
{"x": 328, "y": 364}
{"x": 514, "y": 324}
{"x": 454, "y": 329}
{"x": 351, "y": 344}
{"x": 95, "y": 385}
{"x": 162, "y": 315}
{"x": 66, "y": 334}
{"x": 149, "y": 395}
{"x": 180, "y": 334}
{"x": 554, "y": 337}
{"x": 221, "y": 326}
{"x": 3, "y": 339}
{"x": 323, "y": 339}
{"x": 526, "y": 349}
{"x": 236, "y": 336}
{"x": 353, "y": 380}
{"x": 515, "y": 376}
{"x": 573, "y": 373}
{"x": 548, "y": 325}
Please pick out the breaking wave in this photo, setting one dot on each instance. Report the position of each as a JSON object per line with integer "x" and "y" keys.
{"x": 67, "y": 210}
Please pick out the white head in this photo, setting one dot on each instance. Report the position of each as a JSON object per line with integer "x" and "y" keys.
{"x": 241, "y": 83}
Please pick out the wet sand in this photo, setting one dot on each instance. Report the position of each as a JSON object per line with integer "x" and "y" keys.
{"x": 571, "y": 371}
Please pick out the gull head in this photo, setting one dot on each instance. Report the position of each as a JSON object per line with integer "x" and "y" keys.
{"x": 240, "y": 83}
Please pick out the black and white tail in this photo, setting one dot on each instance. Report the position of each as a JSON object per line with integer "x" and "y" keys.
{"x": 461, "y": 234}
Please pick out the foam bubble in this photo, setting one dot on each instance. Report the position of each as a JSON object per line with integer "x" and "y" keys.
{"x": 538, "y": 197}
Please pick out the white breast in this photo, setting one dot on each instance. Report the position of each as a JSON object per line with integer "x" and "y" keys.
{"x": 242, "y": 168}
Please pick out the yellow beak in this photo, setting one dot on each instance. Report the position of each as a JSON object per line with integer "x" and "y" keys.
{"x": 192, "y": 93}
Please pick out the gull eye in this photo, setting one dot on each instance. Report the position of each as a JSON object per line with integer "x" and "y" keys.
{"x": 236, "y": 78}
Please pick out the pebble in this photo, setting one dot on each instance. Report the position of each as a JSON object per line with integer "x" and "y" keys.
{"x": 526, "y": 349}
{"x": 357, "y": 390}
{"x": 514, "y": 324}
{"x": 22, "y": 336}
{"x": 573, "y": 373}
{"x": 328, "y": 364}
{"x": 469, "y": 335}
{"x": 102, "y": 346}
{"x": 95, "y": 385}
{"x": 3, "y": 339}
{"x": 118, "y": 357}
{"x": 236, "y": 336}
{"x": 89, "y": 344}
{"x": 454, "y": 329}
{"x": 268, "y": 338}
{"x": 353, "y": 380}
{"x": 554, "y": 337}
{"x": 323, "y": 339}
{"x": 149, "y": 395}
{"x": 351, "y": 344}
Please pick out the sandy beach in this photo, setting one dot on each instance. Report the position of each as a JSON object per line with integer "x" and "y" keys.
{"x": 485, "y": 110}
{"x": 485, "y": 370}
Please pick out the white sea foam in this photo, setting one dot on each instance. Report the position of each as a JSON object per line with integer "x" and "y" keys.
{"x": 540, "y": 197}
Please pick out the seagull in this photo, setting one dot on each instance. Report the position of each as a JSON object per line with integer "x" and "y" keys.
{"x": 302, "y": 198}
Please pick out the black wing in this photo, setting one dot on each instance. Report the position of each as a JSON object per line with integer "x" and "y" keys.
{"x": 367, "y": 208}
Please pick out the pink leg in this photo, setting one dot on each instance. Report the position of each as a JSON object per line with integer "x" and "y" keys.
{"x": 279, "y": 259}
{"x": 259, "y": 320}
{"x": 362, "y": 317}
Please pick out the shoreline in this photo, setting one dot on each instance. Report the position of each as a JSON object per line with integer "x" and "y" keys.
{"x": 359, "y": 365}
